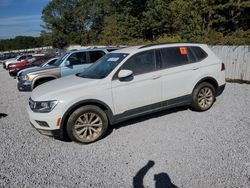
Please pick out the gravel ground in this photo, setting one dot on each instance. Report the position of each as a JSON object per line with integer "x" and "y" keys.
{"x": 176, "y": 148}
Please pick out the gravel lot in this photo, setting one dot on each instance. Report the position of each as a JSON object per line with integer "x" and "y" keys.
{"x": 176, "y": 148}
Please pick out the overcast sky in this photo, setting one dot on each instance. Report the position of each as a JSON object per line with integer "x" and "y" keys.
{"x": 21, "y": 17}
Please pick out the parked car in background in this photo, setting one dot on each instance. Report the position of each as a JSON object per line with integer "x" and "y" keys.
{"x": 72, "y": 62}
{"x": 50, "y": 62}
{"x": 124, "y": 84}
{"x": 14, "y": 68}
{"x": 15, "y": 60}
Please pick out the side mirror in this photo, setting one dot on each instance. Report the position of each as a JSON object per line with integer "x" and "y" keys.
{"x": 67, "y": 63}
{"x": 125, "y": 74}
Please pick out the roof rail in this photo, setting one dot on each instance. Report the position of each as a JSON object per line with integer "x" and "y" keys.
{"x": 149, "y": 45}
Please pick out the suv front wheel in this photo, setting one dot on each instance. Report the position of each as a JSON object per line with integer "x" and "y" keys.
{"x": 203, "y": 97}
{"x": 87, "y": 124}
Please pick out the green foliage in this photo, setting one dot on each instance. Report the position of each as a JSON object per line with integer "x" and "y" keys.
{"x": 21, "y": 42}
{"x": 131, "y": 22}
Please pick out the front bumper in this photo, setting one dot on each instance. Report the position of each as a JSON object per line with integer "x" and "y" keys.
{"x": 13, "y": 72}
{"x": 50, "y": 118}
{"x": 53, "y": 133}
{"x": 24, "y": 85}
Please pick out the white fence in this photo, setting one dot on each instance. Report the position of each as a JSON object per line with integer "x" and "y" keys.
{"x": 236, "y": 59}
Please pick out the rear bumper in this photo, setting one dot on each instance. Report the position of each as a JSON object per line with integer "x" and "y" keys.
{"x": 220, "y": 89}
{"x": 24, "y": 85}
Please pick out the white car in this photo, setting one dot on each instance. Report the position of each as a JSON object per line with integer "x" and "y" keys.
{"x": 124, "y": 84}
{"x": 15, "y": 60}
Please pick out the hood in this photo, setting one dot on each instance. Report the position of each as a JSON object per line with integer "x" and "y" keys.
{"x": 26, "y": 71}
{"x": 35, "y": 69}
{"x": 9, "y": 61}
{"x": 22, "y": 64}
{"x": 54, "y": 89}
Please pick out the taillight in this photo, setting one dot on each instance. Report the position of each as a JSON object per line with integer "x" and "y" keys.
{"x": 222, "y": 67}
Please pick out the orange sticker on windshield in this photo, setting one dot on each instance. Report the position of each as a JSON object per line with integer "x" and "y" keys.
{"x": 183, "y": 50}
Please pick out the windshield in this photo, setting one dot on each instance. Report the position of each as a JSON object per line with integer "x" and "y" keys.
{"x": 48, "y": 63}
{"x": 61, "y": 59}
{"x": 101, "y": 68}
{"x": 31, "y": 60}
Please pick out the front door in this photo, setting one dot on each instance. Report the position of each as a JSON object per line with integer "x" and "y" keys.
{"x": 140, "y": 92}
{"x": 76, "y": 64}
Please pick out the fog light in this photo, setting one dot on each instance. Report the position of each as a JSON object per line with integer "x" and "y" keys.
{"x": 42, "y": 123}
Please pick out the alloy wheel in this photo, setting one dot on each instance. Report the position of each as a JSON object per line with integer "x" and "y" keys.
{"x": 88, "y": 126}
{"x": 205, "y": 98}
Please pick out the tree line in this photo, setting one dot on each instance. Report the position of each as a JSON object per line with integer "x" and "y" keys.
{"x": 128, "y": 22}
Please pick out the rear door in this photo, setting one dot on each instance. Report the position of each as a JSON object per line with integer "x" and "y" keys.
{"x": 76, "y": 63}
{"x": 178, "y": 73}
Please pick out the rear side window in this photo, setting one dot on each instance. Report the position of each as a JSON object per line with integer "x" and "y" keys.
{"x": 77, "y": 58}
{"x": 174, "y": 56}
{"x": 95, "y": 55}
{"x": 199, "y": 53}
{"x": 140, "y": 63}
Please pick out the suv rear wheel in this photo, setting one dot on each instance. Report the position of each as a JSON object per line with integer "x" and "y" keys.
{"x": 203, "y": 97}
{"x": 87, "y": 124}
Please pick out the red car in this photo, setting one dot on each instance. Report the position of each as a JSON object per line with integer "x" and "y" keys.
{"x": 34, "y": 61}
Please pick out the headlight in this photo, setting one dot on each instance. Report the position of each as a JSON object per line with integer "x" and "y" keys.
{"x": 42, "y": 106}
{"x": 25, "y": 77}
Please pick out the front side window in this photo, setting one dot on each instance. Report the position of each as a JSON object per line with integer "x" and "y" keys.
{"x": 77, "y": 58}
{"x": 95, "y": 55}
{"x": 140, "y": 63}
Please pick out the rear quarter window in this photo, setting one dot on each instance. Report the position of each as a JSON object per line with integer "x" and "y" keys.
{"x": 199, "y": 53}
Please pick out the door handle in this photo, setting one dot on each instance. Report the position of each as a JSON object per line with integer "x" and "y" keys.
{"x": 155, "y": 77}
{"x": 195, "y": 68}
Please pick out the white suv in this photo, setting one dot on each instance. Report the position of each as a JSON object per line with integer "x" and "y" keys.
{"x": 124, "y": 84}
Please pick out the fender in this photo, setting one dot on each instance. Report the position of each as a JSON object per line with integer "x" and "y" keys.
{"x": 42, "y": 77}
{"x": 96, "y": 102}
{"x": 208, "y": 79}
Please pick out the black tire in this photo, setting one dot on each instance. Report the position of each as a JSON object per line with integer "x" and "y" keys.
{"x": 81, "y": 120}
{"x": 202, "y": 103}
